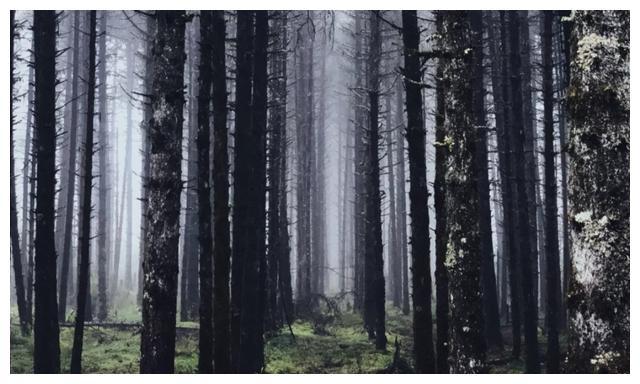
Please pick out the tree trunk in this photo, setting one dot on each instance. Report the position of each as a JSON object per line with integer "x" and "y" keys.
{"x": 550, "y": 198}
{"x": 374, "y": 295}
{"x": 205, "y": 339}
{"x": 464, "y": 111}
{"x": 71, "y": 172}
{"x": 103, "y": 213}
{"x": 439, "y": 196}
{"x": 15, "y": 236}
{"x": 395, "y": 266}
{"x": 85, "y": 206}
{"x": 46, "y": 344}
{"x": 402, "y": 202}
{"x": 517, "y": 146}
{"x": 422, "y": 332}
{"x": 164, "y": 185}
{"x": 598, "y": 101}
{"x": 220, "y": 175}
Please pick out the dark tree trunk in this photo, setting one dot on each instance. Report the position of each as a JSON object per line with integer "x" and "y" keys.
{"x": 249, "y": 194}
{"x": 599, "y": 188}
{"x": 71, "y": 173}
{"x": 422, "y": 332}
{"x": 517, "y": 146}
{"x": 15, "y": 236}
{"x": 46, "y": 344}
{"x": 205, "y": 339}
{"x": 164, "y": 185}
{"x": 395, "y": 266}
{"x": 464, "y": 111}
{"x": 85, "y": 206}
{"x": 220, "y": 176}
{"x": 487, "y": 272}
{"x": 402, "y": 202}
{"x": 439, "y": 194}
{"x": 550, "y": 198}
{"x": 374, "y": 295}
{"x": 103, "y": 214}
{"x": 146, "y": 155}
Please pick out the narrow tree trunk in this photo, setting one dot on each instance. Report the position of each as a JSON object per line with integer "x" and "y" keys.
{"x": 205, "y": 340}
{"x": 599, "y": 188}
{"x": 402, "y": 202}
{"x": 85, "y": 206}
{"x": 160, "y": 263}
{"x": 551, "y": 207}
{"x": 422, "y": 332}
{"x": 439, "y": 195}
{"x": 103, "y": 213}
{"x": 517, "y": 146}
{"x": 15, "y": 236}
{"x": 374, "y": 298}
{"x": 220, "y": 176}
{"x": 71, "y": 172}
{"x": 46, "y": 344}
{"x": 395, "y": 266}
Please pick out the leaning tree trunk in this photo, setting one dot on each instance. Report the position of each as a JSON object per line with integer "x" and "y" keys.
{"x": 46, "y": 342}
{"x": 15, "y": 236}
{"x": 86, "y": 179}
{"x": 220, "y": 176}
{"x": 160, "y": 264}
{"x": 422, "y": 330}
{"x": 463, "y": 105}
{"x": 598, "y": 102}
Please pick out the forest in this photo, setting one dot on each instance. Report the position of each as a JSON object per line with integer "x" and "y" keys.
{"x": 299, "y": 191}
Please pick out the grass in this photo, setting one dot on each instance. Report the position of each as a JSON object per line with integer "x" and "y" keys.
{"x": 343, "y": 348}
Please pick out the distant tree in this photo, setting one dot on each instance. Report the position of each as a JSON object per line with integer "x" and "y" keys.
{"x": 71, "y": 171}
{"x": 86, "y": 179}
{"x": 160, "y": 264}
{"x": 15, "y": 236}
{"x": 598, "y": 102}
{"x": 103, "y": 186}
{"x": 420, "y": 265}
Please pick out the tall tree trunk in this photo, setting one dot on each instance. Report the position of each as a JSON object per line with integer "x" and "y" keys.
{"x": 164, "y": 185}
{"x": 85, "y": 206}
{"x": 598, "y": 101}
{"x": 220, "y": 176}
{"x": 422, "y": 332}
{"x": 395, "y": 266}
{"x": 103, "y": 213}
{"x": 439, "y": 195}
{"x": 15, "y": 236}
{"x": 487, "y": 268}
{"x": 374, "y": 295}
{"x": 128, "y": 171}
{"x": 551, "y": 207}
{"x": 71, "y": 173}
{"x": 205, "y": 340}
{"x": 464, "y": 110}
{"x": 517, "y": 146}
{"x": 402, "y": 202}
{"x": 46, "y": 343}
{"x": 146, "y": 155}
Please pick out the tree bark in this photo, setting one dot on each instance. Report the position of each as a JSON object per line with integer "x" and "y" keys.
{"x": 599, "y": 188}
{"x": 46, "y": 344}
{"x": 103, "y": 213}
{"x": 164, "y": 185}
{"x": 422, "y": 332}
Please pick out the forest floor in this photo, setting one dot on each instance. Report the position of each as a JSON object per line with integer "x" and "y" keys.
{"x": 339, "y": 347}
